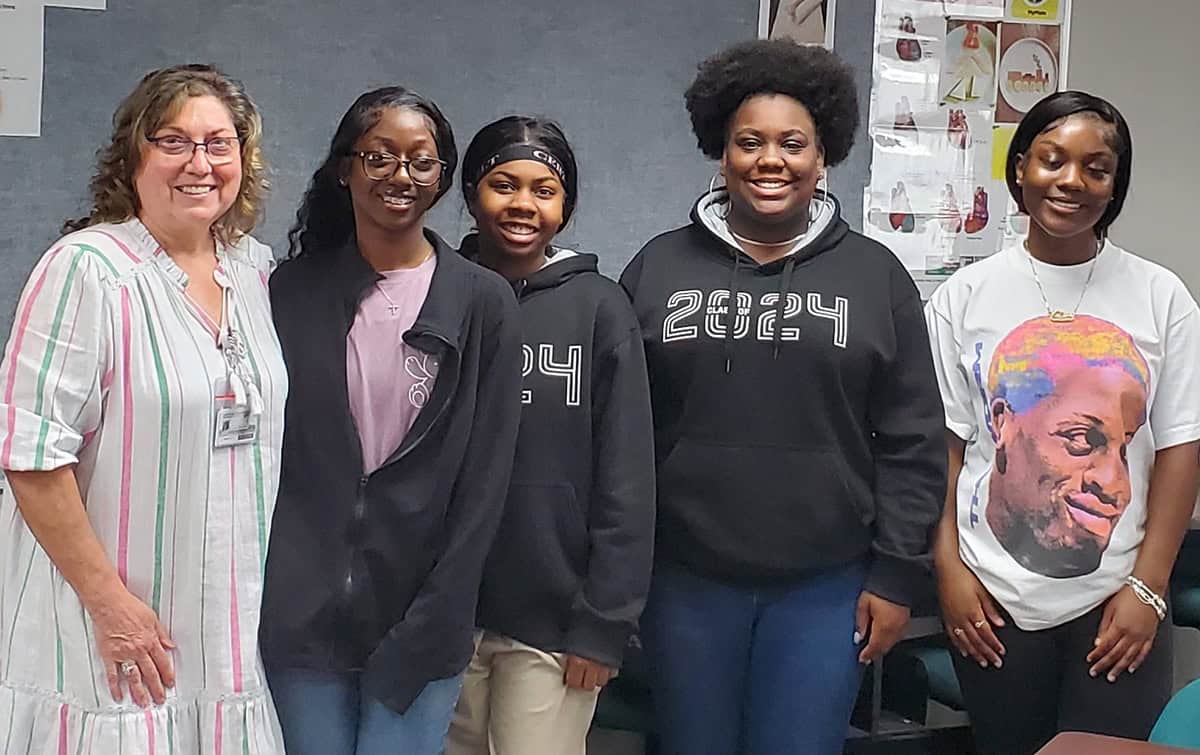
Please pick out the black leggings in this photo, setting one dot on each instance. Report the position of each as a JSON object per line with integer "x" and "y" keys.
{"x": 1044, "y": 688}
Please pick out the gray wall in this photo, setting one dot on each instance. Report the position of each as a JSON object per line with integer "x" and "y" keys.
{"x": 612, "y": 72}
{"x": 1152, "y": 79}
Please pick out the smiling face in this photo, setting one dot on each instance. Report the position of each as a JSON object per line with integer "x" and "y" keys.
{"x": 1067, "y": 176}
{"x": 518, "y": 208}
{"x": 181, "y": 193}
{"x": 771, "y": 165}
{"x": 397, "y": 204}
{"x": 1062, "y": 419}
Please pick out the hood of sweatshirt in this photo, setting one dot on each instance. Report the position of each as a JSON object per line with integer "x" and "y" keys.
{"x": 825, "y": 230}
{"x": 561, "y": 265}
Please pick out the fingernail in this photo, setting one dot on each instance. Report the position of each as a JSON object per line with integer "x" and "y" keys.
{"x": 999, "y": 664}
{"x": 1092, "y": 673}
{"x": 983, "y": 664}
{"x": 1112, "y": 677}
{"x": 1132, "y": 669}
{"x": 858, "y": 638}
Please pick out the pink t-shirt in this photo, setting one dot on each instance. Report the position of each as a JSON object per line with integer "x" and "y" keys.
{"x": 388, "y": 380}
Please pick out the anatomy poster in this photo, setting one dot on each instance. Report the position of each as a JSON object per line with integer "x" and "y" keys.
{"x": 950, "y": 80}
{"x": 968, "y": 70}
{"x": 1028, "y": 68}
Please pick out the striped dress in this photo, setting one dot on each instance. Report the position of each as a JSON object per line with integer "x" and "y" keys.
{"x": 110, "y": 366}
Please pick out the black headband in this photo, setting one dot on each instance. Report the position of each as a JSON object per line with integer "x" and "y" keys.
{"x": 521, "y": 152}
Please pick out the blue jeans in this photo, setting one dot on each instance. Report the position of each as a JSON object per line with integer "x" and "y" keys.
{"x": 753, "y": 671}
{"x": 323, "y": 713}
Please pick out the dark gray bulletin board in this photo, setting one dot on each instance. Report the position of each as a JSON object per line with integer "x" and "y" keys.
{"x": 611, "y": 71}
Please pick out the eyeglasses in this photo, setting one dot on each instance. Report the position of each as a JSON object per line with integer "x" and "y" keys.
{"x": 380, "y": 166}
{"x": 219, "y": 150}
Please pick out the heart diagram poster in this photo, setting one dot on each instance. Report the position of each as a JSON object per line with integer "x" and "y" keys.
{"x": 951, "y": 79}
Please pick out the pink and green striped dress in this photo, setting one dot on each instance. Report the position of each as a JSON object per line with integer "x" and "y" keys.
{"x": 112, "y": 368}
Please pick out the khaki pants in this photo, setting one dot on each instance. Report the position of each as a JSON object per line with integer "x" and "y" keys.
{"x": 514, "y": 702}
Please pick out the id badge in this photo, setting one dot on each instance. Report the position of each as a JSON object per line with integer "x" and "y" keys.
{"x": 233, "y": 425}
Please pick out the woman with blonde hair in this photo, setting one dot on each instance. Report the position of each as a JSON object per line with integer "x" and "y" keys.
{"x": 141, "y": 416}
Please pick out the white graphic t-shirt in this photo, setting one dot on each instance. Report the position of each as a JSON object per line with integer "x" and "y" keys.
{"x": 1062, "y": 419}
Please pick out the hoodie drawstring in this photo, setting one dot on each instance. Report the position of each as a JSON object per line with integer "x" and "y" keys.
{"x": 785, "y": 287}
{"x": 731, "y": 311}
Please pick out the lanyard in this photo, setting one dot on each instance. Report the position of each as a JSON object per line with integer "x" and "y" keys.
{"x": 233, "y": 348}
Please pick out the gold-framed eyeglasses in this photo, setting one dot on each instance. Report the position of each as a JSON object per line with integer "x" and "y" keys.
{"x": 381, "y": 166}
{"x": 219, "y": 149}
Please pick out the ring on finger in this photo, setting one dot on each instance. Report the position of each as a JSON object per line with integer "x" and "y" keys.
{"x": 127, "y": 668}
{"x": 958, "y": 631}
{"x": 979, "y": 624}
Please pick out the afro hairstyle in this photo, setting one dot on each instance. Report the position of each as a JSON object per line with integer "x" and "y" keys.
{"x": 815, "y": 77}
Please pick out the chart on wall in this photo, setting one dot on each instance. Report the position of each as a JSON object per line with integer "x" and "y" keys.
{"x": 21, "y": 61}
{"x": 951, "y": 79}
{"x": 808, "y": 22}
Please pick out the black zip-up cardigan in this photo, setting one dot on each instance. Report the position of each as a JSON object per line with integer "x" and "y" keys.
{"x": 379, "y": 573}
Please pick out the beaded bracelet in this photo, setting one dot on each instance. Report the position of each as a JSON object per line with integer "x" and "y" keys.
{"x": 1147, "y": 596}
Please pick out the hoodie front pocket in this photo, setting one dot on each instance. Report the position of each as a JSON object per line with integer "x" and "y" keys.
{"x": 544, "y": 536}
{"x": 771, "y": 507}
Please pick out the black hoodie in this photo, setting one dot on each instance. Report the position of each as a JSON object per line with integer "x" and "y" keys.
{"x": 802, "y": 431}
{"x": 570, "y": 567}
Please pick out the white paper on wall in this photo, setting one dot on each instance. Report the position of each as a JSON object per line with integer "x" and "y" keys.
{"x": 22, "y": 31}
{"x": 20, "y": 67}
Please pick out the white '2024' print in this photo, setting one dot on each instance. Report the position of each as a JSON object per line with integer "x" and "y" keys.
{"x": 683, "y": 304}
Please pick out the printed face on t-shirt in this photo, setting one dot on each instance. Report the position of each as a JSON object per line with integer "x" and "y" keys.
{"x": 1066, "y": 399}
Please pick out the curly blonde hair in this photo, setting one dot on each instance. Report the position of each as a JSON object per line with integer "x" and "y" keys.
{"x": 156, "y": 100}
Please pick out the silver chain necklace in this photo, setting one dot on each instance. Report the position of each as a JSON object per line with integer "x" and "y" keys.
{"x": 769, "y": 244}
{"x": 1060, "y": 315}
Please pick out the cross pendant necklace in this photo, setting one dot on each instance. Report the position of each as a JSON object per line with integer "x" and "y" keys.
{"x": 392, "y": 307}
